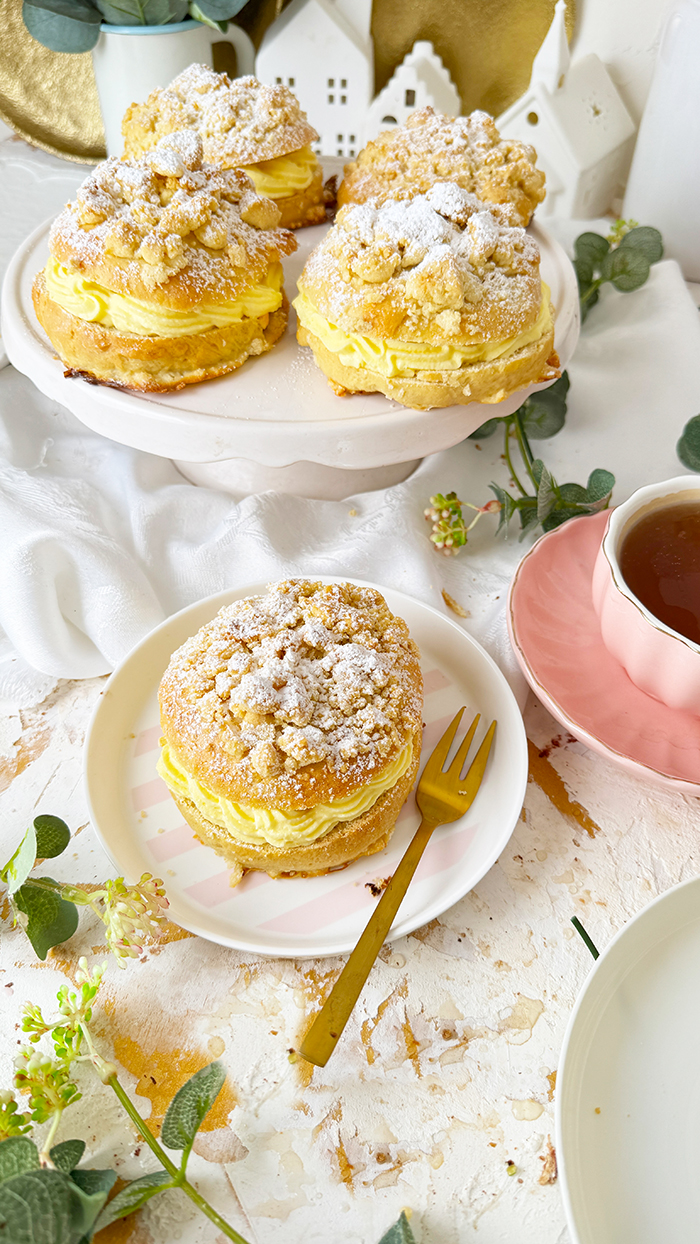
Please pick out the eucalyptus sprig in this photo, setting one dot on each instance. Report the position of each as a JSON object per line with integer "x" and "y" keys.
{"x": 74, "y": 25}
{"x": 47, "y": 910}
{"x": 46, "y": 1197}
{"x": 538, "y": 501}
{"x": 688, "y": 447}
{"x": 623, "y": 258}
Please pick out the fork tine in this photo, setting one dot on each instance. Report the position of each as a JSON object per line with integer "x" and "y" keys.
{"x": 456, "y": 767}
{"x": 439, "y": 755}
{"x": 475, "y": 772}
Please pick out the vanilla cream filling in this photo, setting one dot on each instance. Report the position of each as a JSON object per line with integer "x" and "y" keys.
{"x": 92, "y": 302}
{"x": 283, "y": 175}
{"x": 274, "y": 826}
{"x": 405, "y": 358}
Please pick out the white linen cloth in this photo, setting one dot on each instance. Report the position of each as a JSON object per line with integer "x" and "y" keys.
{"x": 100, "y": 542}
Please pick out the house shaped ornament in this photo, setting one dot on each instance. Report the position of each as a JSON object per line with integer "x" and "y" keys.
{"x": 574, "y": 117}
{"x": 420, "y": 80}
{"x": 322, "y": 50}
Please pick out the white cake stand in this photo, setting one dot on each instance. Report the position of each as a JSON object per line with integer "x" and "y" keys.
{"x": 275, "y": 423}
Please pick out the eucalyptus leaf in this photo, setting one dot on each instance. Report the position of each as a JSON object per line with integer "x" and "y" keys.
{"x": 92, "y": 1181}
{"x": 646, "y": 240}
{"x": 62, "y": 25}
{"x": 199, "y": 15}
{"x": 400, "y": 1233}
{"x": 688, "y": 447}
{"x": 18, "y": 868}
{"x": 142, "y": 12}
{"x": 546, "y": 495}
{"x": 52, "y": 836}
{"x": 544, "y": 414}
{"x": 17, "y": 1155}
{"x": 46, "y": 1207}
{"x": 132, "y": 1197}
{"x": 508, "y": 507}
{"x": 600, "y": 485}
{"x": 559, "y": 516}
{"x": 592, "y": 248}
{"x": 584, "y": 271}
{"x": 626, "y": 268}
{"x": 51, "y": 919}
{"x": 66, "y": 1156}
{"x": 189, "y": 1106}
{"x": 528, "y": 518}
{"x": 487, "y": 429}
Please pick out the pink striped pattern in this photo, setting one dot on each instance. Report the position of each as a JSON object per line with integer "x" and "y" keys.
{"x": 148, "y": 740}
{"x": 149, "y": 793}
{"x": 434, "y": 681}
{"x": 175, "y": 842}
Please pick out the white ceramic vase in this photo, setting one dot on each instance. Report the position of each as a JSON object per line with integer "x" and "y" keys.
{"x": 129, "y": 61}
{"x": 664, "y": 182}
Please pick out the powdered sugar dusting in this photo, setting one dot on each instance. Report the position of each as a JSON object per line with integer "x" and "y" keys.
{"x": 240, "y": 121}
{"x": 310, "y": 684}
{"x": 431, "y": 147}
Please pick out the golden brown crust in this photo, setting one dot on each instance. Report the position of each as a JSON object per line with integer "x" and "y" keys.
{"x": 241, "y": 121}
{"x": 440, "y": 267}
{"x": 306, "y": 207}
{"x": 343, "y": 843}
{"x": 152, "y": 364}
{"x": 295, "y": 698}
{"x": 170, "y": 229}
{"x": 430, "y": 147}
{"x": 475, "y": 382}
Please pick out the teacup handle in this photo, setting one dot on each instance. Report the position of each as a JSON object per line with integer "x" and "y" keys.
{"x": 245, "y": 50}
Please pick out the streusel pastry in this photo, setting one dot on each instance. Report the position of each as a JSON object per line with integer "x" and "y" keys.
{"x": 292, "y": 727}
{"x": 163, "y": 272}
{"x": 433, "y": 301}
{"x": 431, "y": 147}
{"x": 242, "y": 124}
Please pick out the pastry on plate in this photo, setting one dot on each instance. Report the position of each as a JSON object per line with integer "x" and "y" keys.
{"x": 292, "y": 727}
{"x": 431, "y": 147}
{"x": 433, "y": 301}
{"x": 242, "y": 124}
{"x": 163, "y": 272}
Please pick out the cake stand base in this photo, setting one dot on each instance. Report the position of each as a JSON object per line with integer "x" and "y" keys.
{"x": 301, "y": 479}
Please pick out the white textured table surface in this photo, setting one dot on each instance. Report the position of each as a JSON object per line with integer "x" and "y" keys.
{"x": 445, "y": 1071}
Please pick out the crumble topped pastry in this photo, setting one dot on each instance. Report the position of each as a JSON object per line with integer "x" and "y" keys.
{"x": 242, "y": 124}
{"x": 431, "y": 147}
{"x": 296, "y": 698}
{"x": 170, "y": 227}
{"x": 241, "y": 121}
{"x": 435, "y": 301}
{"x": 165, "y": 271}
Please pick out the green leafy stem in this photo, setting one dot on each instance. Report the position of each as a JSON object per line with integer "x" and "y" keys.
{"x": 74, "y": 25}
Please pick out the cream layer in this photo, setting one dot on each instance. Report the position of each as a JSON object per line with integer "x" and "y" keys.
{"x": 284, "y": 175}
{"x": 406, "y": 358}
{"x": 272, "y": 825}
{"x": 92, "y": 302}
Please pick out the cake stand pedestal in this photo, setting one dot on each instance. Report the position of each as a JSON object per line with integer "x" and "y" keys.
{"x": 275, "y": 423}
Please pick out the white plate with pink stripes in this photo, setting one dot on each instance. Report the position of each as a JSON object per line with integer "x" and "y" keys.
{"x": 141, "y": 829}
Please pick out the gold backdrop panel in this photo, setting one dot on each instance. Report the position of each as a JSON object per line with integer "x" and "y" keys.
{"x": 488, "y": 47}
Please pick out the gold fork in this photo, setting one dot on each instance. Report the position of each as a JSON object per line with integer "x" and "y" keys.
{"x": 441, "y": 797}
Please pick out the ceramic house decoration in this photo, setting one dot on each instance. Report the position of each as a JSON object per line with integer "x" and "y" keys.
{"x": 322, "y": 49}
{"x": 576, "y": 120}
{"x": 419, "y": 80}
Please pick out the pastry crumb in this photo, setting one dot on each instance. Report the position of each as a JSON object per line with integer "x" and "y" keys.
{"x": 454, "y": 605}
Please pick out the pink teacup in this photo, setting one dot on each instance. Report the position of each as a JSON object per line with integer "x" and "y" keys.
{"x": 659, "y": 660}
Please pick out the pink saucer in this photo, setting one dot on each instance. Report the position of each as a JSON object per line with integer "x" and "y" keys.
{"x": 555, "y": 634}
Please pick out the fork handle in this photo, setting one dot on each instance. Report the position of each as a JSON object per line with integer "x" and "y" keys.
{"x": 321, "y": 1039}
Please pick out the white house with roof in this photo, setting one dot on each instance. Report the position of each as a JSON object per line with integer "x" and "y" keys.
{"x": 574, "y": 117}
{"x": 322, "y": 49}
{"x": 419, "y": 80}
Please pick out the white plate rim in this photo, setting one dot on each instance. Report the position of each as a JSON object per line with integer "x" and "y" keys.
{"x": 400, "y": 928}
{"x": 604, "y": 977}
